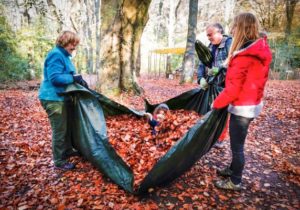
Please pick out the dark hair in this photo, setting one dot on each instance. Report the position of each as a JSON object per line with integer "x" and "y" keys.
{"x": 217, "y": 26}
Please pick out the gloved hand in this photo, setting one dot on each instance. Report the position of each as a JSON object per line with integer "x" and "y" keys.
{"x": 213, "y": 71}
{"x": 78, "y": 79}
{"x": 148, "y": 116}
{"x": 203, "y": 84}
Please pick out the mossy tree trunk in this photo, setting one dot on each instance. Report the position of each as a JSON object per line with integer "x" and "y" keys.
{"x": 121, "y": 29}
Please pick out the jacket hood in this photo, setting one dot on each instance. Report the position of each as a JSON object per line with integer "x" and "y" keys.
{"x": 258, "y": 49}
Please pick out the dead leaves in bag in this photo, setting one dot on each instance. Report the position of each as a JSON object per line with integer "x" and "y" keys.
{"x": 132, "y": 139}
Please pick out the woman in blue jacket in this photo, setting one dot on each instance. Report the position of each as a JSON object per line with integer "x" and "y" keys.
{"x": 59, "y": 72}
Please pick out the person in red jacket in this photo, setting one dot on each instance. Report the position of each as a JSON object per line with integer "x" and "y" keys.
{"x": 248, "y": 67}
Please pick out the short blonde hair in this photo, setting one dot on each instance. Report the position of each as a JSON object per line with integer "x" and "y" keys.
{"x": 67, "y": 37}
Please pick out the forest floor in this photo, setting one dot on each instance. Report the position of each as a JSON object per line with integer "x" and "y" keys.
{"x": 271, "y": 178}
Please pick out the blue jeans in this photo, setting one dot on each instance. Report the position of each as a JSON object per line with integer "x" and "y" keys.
{"x": 238, "y": 130}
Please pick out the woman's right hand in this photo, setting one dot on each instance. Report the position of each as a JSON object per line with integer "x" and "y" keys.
{"x": 78, "y": 79}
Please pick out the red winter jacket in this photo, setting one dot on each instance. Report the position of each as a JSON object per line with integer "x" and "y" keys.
{"x": 245, "y": 81}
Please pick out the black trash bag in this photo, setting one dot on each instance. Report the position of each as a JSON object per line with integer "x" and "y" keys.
{"x": 218, "y": 79}
{"x": 89, "y": 137}
{"x": 203, "y": 53}
{"x": 205, "y": 57}
{"x": 188, "y": 150}
{"x": 89, "y": 134}
{"x": 196, "y": 99}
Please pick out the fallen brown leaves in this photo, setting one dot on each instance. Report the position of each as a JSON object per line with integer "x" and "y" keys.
{"x": 270, "y": 181}
{"x": 132, "y": 139}
{"x": 281, "y": 122}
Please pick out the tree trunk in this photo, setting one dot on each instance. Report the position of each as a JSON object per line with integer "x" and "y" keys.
{"x": 138, "y": 63}
{"x": 171, "y": 41}
{"x": 158, "y": 26}
{"x": 228, "y": 12}
{"x": 98, "y": 23}
{"x": 85, "y": 46}
{"x": 189, "y": 58}
{"x": 90, "y": 64}
{"x": 289, "y": 9}
{"x": 121, "y": 30}
{"x": 56, "y": 14}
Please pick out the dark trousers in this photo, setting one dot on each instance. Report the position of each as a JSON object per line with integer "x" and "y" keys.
{"x": 61, "y": 143}
{"x": 238, "y": 130}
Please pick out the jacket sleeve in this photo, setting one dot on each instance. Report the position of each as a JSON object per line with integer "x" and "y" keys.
{"x": 55, "y": 71}
{"x": 228, "y": 43}
{"x": 200, "y": 72}
{"x": 235, "y": 78}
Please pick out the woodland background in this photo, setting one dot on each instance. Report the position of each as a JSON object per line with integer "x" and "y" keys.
{"x": 29, "y": 29}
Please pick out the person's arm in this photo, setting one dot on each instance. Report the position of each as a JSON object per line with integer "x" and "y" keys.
{"x": 223, "y": 68}
{"x": 55, "y": 69}
{"x": 234, "y": 82}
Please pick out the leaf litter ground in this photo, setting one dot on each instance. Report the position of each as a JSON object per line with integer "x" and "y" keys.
{"x": 271, "y": 176}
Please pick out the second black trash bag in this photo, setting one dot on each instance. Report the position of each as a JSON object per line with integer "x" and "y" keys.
{"x": 196, "y": 99}
{"x": 190, "y": 148}
{"x": 89, "y": 137}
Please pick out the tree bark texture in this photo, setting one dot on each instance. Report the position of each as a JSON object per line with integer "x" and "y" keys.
{"x": 289, "y": 9}
{"x": 98, "y": 23}
{"x": 171, "y": 41}
{"x": 189, "y": 55}
{"x": 138, "y": 63}
{"x": 121, "y": 30}
{"x": 89, "y": 13}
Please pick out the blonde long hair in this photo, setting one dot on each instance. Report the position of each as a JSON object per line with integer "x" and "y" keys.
{"x": 246, "y": 28}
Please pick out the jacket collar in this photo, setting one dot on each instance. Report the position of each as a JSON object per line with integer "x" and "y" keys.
{"x": 65, "y": 52}
{"x": 223, "y": 42}
{"x": 258, "y": 49}
{"x": 245, "y": 48}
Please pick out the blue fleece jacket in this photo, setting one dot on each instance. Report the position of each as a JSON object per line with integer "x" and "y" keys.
{"x": 58, "y": 73}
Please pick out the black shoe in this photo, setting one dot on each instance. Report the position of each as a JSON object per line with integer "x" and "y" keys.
{"x": 66, "y": 166}
{"x": 224, "y": 172}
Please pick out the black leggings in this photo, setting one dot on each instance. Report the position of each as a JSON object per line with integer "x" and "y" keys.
{"x": 238, "y": 130}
